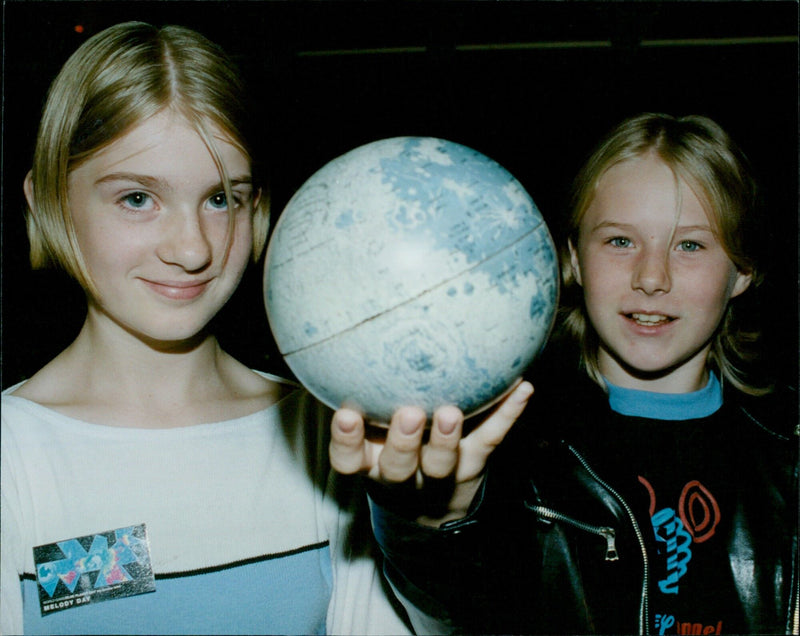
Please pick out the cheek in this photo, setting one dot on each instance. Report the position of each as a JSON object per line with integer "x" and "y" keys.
{"x": 101, "y": 247}
{"x": 217, "y": 231}
{"x": 707, "y": 296}
{"x": 242, "y": 245}
{"x": 714, "y": 283}
{"x": 599, "y": 278}
{"x": 598, "y": 299}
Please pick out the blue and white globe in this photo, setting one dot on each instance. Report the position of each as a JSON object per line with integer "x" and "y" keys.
{"x": 410, "y": 271}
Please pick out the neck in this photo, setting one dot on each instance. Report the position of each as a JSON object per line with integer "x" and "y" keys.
{"x": 111, "y": 377}
{"x": 127, "y": 369}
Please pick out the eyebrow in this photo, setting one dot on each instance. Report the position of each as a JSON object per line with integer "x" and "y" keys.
{"x": 148, "y": 181}
{"x": 629, "y": 227}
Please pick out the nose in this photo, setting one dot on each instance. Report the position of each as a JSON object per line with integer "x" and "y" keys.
{"x": 651, "y": 273}
{"x": 184, "y": 241}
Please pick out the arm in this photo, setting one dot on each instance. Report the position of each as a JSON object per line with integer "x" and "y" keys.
{"x": 421, "y": 499}
{"x": 10, "y": 587}
{"x": 11, "y": 530}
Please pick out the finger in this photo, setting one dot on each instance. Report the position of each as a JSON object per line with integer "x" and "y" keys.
{"x": 479, "y": 444}
{"x": 495, "y": 427}
{"x": 440, "y": 455}
{"x": 399, "y": 458}
{"x": 347, "y": 448}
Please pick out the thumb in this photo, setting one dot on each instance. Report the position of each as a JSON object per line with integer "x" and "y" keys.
{"x": 476, "y": 447}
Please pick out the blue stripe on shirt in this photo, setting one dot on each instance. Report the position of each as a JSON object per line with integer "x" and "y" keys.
{"x": 286, "y": 595}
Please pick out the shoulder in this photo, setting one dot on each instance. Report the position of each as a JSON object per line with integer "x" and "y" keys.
{"x": 245, "y": 381}
{"x": 27, "y": 429}
{"x": 12, "y": 413}
{"x": 775, "y": 413}
{"x": 48, "y": 385}
{"x": 236, "y": 391}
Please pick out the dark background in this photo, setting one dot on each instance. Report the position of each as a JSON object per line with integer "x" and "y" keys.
{"x": 531, "y": 84}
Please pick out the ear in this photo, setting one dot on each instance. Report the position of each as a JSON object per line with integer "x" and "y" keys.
{"x": 27, "y": 186}
{"x": 741, "y": 283}
{"x": 573, "y": 260}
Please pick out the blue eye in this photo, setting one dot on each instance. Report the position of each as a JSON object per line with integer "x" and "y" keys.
{"x": 689, "y": 246}
{"x": 620, "y": 241}
{"x": 136, "y": 200}
{"x": 219, "y": 201}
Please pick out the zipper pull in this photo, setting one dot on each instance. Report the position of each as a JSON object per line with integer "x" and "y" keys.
{"x": 611, "y": 543}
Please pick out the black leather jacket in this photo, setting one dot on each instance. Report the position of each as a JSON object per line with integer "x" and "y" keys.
{"x": 552, "y": 546}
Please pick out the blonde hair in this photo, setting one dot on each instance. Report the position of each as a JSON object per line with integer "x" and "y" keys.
{"x": 701, "y": 153}
{"x": 117, "y": 79}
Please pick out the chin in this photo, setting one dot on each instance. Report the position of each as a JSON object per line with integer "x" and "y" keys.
{"x": 646, "y": 368}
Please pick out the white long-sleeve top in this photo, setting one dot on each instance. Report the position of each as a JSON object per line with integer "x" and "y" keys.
{"x": 242, "y": 524}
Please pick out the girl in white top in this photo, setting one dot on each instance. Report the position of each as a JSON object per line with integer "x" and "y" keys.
{"x": 150, "y": 482}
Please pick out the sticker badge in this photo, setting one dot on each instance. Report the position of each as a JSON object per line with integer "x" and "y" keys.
{"x": 99, "y": 567}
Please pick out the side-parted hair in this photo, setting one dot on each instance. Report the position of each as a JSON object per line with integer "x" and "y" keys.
{"x": 116, "y": 80}
{"x": 699, "y": 152}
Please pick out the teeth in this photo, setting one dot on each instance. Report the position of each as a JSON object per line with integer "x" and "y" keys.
{"x": 649, "y": 319}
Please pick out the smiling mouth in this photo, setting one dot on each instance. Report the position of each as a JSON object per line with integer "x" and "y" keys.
{"x": 649, "y": 320}
{"x": 178, "y": 290}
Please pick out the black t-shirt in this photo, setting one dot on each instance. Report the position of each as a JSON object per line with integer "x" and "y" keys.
{"x": 669, "y": 473}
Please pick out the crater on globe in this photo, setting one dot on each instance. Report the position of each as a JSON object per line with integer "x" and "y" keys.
{"x": 410, "y": 271}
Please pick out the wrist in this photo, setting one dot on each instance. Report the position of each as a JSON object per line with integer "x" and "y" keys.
{"x": 459, "y": 504}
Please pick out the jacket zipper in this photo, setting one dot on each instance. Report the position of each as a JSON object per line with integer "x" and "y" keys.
{"x": 644, "y": 609}
{"x": 609, "y": 534}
